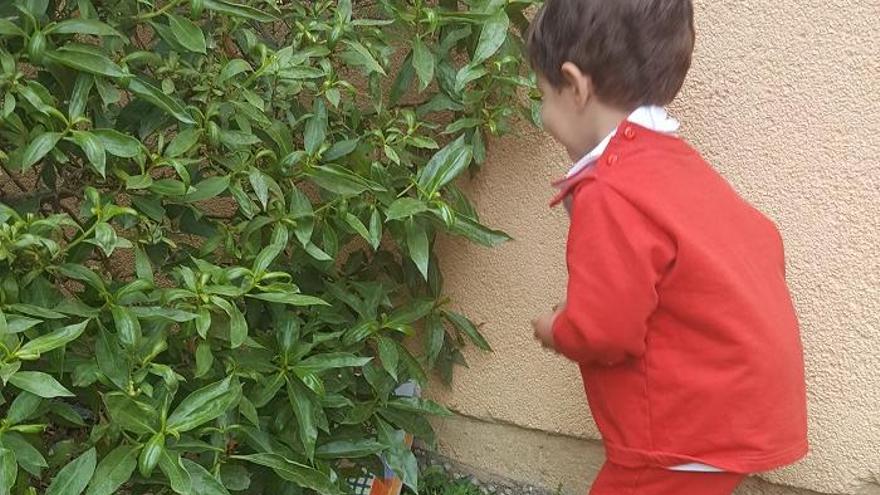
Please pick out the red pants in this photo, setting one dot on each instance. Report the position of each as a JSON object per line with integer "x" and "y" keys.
{"x": 618, "y": 480}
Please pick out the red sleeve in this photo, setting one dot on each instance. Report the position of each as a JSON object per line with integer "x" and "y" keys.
{"x": 616, "y": 257}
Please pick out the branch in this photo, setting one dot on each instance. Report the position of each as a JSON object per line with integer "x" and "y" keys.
{"x": 15, "y": 180}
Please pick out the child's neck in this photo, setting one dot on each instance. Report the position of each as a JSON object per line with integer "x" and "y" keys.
{"x": 597, "y": 124}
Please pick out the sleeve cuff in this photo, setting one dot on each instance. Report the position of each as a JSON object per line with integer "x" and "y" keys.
{"x": 565, "y": 338}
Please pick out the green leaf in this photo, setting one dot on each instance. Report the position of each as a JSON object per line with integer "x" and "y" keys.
{"x": 341, "y": 181}
{"x": 238, "y": 10}
{"x": 155, "y": 96}
{"x": 445, "y": 166}
{"x": 359, "y": 55}
{"x": 171, "y": 464}
{"x": 150, "y": 454}
{"x": 114, "y": 470}
{"x": 183, "y": 142}
{"x": 333, "y": 360}
{"x": 417, "y": 245}
{"x": 389, "y": 356}
{"x": 423, "y": 62}
{"x": 405, "y": 208}
{"x": 207, "y": 189}
{"x": 65, "y": 411}
{"x": 205, "y": 404}
{"x": 473, "y": 230}
{"x": 86, "y": 59}
{"x": 80, "y": 95}
{"x": 233, "y": 68}
{"x": 8, "y": 471}
{"x": 28, "y": 457}
{"x": 204, "y": 359}
{"x": 18, "y": 324}
{"x": 290, "y": 298}
{"x": 420, "y": 406}
{"x": 467, "y": 327}
{"x": 461, "y": 124}
{"x": 51, "y": 341}
{"x": 260, "y": 182}
{"x": 142, "y": 266}
{"x": 83, "y": 26}
{"x": 128, "y": 327}
{"x": 39, "y": 148}
{"x": 22, "y": 407}
{"x": 468, "y": 74}
{"x": 238, "y": 327}
{"x": 316, "y": 127}
{"x": 492, "y": 36}
{"x": 7, "y": 28}
{"x": 117, "y": 143}
{"x": 74, "y": 477}
{"x": 187, "y": 33}
{"x": 435, "y": 338}
{"x": 340, "y": 149}
{"x": 302, "y": 475}
{"x": 349, "y": 449}
{"x": 130, "y": 414}
{"x": 39, "y": 383}
{"x": 235, "y": 477}
{"x": 304, "y": 409}
{"x": 410, "y": 313}
{"x": 105, "y": 238}
{"x": 83, "y": 274}
{"x": 93, "y": 149}
{"x": 403, "y": 80}
{"x": 203, "y": 483}
{"x": 358, "y": 226}
{"x": 35, "y": 311}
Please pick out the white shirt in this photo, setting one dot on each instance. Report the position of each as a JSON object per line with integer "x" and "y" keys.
{"x": 656, "y": 119}
{"x": 650, "y": 117}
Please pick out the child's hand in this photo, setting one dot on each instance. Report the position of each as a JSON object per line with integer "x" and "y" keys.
{"x": 543, "y": 326}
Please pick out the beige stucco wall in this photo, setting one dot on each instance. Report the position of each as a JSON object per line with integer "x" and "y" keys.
{"x": 784, "y": 99}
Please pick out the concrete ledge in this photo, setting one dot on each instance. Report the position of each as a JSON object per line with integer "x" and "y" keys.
{"x": 502, "y": 451}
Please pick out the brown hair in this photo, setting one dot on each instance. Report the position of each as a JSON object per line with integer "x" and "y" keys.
{"x": 637, "y": 52}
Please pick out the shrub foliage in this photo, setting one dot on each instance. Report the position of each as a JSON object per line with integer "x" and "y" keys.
{"x": 217, "y": 221}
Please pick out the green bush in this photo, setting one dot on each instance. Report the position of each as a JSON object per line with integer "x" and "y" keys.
{"x": 216, "y": 232}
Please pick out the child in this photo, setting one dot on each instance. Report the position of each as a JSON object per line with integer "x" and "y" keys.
{"x": 677, "y": 309}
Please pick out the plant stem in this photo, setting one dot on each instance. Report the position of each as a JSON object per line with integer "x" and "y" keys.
{"x": 168, "y": 6}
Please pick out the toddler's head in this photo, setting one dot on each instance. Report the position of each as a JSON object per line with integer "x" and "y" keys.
{"x": 598, "y": 60}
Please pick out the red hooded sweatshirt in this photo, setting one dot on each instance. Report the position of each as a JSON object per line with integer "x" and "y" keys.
{"x": 678, "y": 313}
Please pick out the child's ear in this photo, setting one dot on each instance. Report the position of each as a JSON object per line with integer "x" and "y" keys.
{"x": 580, "y": 83}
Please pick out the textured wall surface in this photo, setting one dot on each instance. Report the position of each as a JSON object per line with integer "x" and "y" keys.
{"x": 784, "y": 99}
{"x": 547, "y": 461}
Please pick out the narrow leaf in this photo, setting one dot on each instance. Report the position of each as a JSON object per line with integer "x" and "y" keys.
{"x": 93, "y": 149}
{"x": 187, "y": 33}
{"x": 74, "y": 477}
{"x": 417, "y": 245}
{"x": 39, "y": 383}
{"x": 155, "y": 96}
{"x": 302, "y": 475}
{"x": 83, "y": 26}
{"x": 39, "y": 148}
{"x": 423, "y": 62}
{"x": 204, "y": 405}
{"x": 492, "y": 36}
{"x": 52, "y": 340}
{"x": 114, "y": 470}
{"x": 85, "y": 59}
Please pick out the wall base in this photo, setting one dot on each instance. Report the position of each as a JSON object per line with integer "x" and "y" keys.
{"x": 492, "y": 450}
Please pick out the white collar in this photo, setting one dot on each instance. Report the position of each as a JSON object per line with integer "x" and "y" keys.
{"x": 650, "y": 117}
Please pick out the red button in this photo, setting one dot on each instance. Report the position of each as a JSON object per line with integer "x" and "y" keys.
{"x": 629, "y": 132}
{"x": 611, "y": 160}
